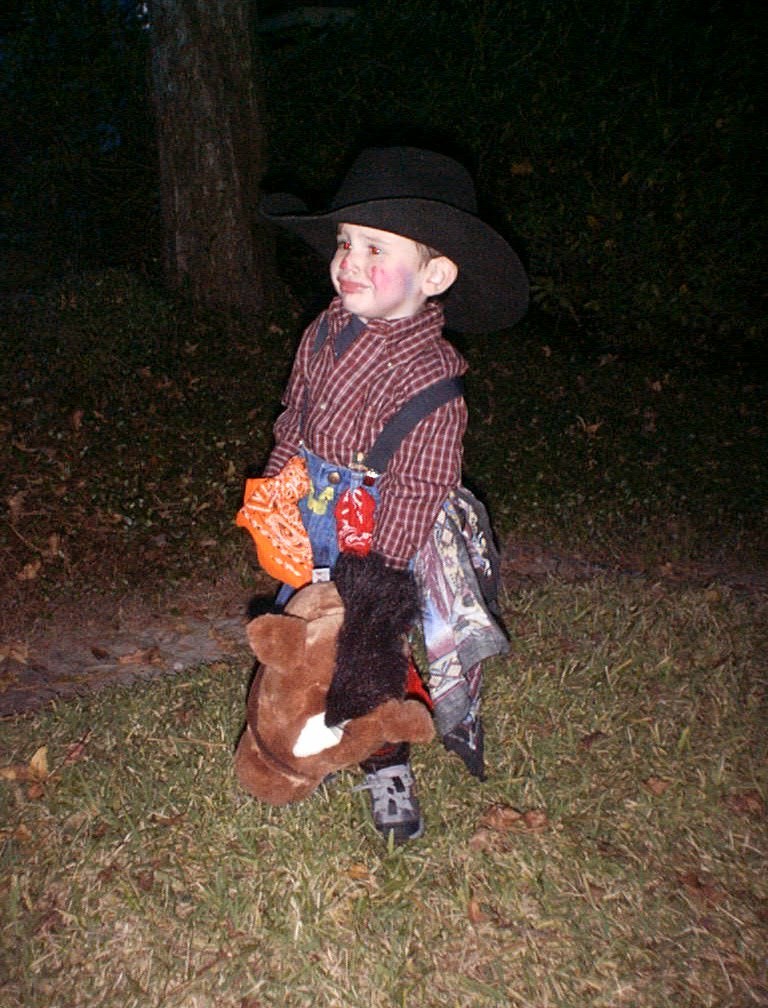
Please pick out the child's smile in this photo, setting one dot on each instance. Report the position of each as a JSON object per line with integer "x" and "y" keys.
{"x": 378, "y": 274}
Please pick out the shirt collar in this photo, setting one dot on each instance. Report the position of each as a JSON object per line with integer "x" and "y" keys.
{"x": 428, "y": 320}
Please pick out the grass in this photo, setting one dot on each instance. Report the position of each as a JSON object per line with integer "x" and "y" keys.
{"x": 630, "y": 718}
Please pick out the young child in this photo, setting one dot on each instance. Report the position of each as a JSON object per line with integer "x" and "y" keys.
{"x": 407, "y": 251}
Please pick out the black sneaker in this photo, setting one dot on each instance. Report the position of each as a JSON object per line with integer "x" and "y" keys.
{"x": 394, "y": 805}
{"x": 467, "y": 740}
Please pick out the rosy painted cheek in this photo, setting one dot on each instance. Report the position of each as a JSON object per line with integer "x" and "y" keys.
{"x": 386, "y": 281}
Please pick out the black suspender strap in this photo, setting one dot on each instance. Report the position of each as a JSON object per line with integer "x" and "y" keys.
{"x": 320, "y": 336}
{"x": 400, "y": 425}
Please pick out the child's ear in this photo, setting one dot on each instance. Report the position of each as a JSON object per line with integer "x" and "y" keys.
{"x": 439, "y": 274}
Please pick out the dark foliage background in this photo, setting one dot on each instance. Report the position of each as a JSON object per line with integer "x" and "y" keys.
{"x": 77, "y": 166}
{"x": 620, "y": 144}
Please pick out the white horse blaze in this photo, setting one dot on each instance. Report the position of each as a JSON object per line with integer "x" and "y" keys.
{"x": 316, "y": 736}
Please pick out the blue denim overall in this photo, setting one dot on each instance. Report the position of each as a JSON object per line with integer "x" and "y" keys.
{"x": 317, "y": 509}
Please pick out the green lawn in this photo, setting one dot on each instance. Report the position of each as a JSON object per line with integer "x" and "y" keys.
{"x": 615, "y": 856}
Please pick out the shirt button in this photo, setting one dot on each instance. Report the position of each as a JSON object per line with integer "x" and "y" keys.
{"x": 334, "y": 477}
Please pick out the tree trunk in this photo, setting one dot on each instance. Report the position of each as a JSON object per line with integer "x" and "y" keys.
{"x": 211, "y": 152}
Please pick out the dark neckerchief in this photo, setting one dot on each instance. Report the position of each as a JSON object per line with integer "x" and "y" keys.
{"x": 347, "y": 336}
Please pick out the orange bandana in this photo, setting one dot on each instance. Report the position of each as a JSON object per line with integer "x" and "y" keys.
{"x": 271, "y": 514}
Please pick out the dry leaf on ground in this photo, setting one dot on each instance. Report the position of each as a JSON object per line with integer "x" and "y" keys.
{"x": 748, "y": 803}
{"x": 587, "y": 741}
{"x": 656, "y": 785}
{"x": 501, "y": 819}
{"x": 34, "y": 774}
{"x": 699, "y": 889}
{"x": 30, "y": 570}
{"x": 475, "y": 912}
{"x": 145, "y": 656}
{"x": 76, "y": 750}
{"x": 14, "y": 651}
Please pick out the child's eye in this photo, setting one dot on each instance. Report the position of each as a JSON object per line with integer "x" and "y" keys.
{"x": 344, "y": 243}
{"x": 374, "y": 250}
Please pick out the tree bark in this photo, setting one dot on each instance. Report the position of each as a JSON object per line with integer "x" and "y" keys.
{"x": 210, "y": 143}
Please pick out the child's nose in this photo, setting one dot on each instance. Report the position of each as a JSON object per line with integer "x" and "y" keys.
{"x": 348, "y": 260}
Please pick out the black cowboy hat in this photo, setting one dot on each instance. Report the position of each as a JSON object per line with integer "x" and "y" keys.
{"x": 431, "y": 199}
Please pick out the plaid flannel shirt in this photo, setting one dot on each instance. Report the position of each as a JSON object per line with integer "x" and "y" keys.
{"x": 338, "y": 404}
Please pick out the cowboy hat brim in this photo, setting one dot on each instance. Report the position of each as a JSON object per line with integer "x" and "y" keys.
{"x": 491, "y": 290}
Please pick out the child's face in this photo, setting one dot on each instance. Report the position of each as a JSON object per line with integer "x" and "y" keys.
{"x": 378, "y": 274}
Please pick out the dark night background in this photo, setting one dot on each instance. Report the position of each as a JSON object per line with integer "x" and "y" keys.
{"x": 621, "y": 145}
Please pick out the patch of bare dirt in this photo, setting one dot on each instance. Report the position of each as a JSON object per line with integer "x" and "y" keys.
{"x": 526, "y": 562}
{"x": 55, "y": 645}
{"x": 61, "y": 647}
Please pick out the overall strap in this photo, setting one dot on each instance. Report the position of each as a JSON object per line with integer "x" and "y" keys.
{"x": 399, "y": 426}
{"x": 320, "y": 337}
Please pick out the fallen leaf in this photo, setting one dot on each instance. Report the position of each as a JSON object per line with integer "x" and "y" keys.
{"x": 146, "y": 880}
{"x": 99, "y": 653}
{"x": 694, "y": 886}
{"x": 16, "y": 505}
{"x": 358, "y": 872}
{"x": 656, "y": 785}
{"x": 14, "y": 651}
{"x": 76, "y": 751}
{"x": 52, "y": 920}
{"x": 475, "y": 912}
{"x": 16, "y": 772}
{"x": 35, "y": 770}
{"x": 484, "y": 839}
{"x": 76, "y": 419}
{"x": 505, "y": 819}
{"x": 748, "y": 803}
{"x": 500, "y": 818}
{"x": 595, "y": 892}
{"x": 536, "y": 820}
{"x": 54, "y": 546}
{"x": 107, "y": 874}
{"x": 30, "y": 570}
{"x": 39, "y": 763}
{"x": 523, "y": 167}
{"x": 587, "y": 741}
{"x": 146, "y": 656}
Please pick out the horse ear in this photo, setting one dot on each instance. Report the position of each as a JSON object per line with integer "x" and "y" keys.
{"x": 278, "y": 640}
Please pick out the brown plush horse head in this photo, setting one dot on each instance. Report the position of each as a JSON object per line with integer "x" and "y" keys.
{"x": 287, "y": 748}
